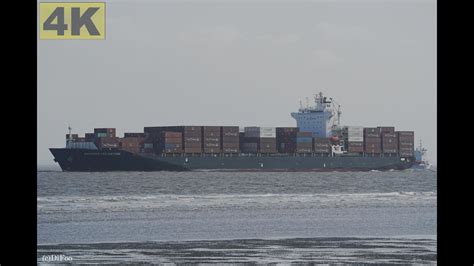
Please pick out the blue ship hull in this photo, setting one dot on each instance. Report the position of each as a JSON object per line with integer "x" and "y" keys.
{"x": 118, "y": 160}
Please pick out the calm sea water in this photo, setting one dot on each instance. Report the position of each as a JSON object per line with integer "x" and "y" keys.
{"x": 230, "y": 217}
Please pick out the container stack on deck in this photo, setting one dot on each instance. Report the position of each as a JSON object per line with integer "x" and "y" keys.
{"x": 148, "y": 146}
{"x": 321, "y": 145}
{"x": 389, "y": 140}
{"x": 230, "y": 139}
{"x": 132, "y": 142}
{"x": 258, "y": 140}
{"x": 355, "y": 139}
{"x": 286, "y": 139}
{"x": 191, "y": 141}
{"x": 251, "y": 139}
{"x": 241, "y": 140}
{"x": 406, "y": 143}
{"x": 386, "y": 129}
{"x": 104, "y": 132}
{"x": 372, "y": 140}
{"x": 169, "y": 142}
{"x": 267, "y": 140}
{"x": 89, "y": 137}
{"x": 304, "y": 142}
{"x": 104, "y": 138}
{"x": 107, "y": 142}
{"x": 192, "y": 138}
{"x": 211, "y": 139}
{"x": 134, "y": 135}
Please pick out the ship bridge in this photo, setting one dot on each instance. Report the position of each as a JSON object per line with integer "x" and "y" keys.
{"x": 320, "y": 119}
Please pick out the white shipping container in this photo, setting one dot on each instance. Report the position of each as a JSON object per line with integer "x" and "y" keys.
{"x": 260, "y": 132}
{"x": 268, "y": 129}
{"x": 355, "y": 131}
{"x": 267, "y": 135}
{"x": 268, "y": 132}
{"x": 356, "y": 138}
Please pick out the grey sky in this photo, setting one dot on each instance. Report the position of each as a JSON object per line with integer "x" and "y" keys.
{"x": 242, "y": 63}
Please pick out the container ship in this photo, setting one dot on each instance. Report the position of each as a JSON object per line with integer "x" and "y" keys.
{"x": 317, "y": 143}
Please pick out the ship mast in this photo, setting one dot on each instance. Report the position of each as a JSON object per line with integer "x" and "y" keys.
{"x": 421, "y": 149}
{"x": 69, "y": 128}
{"x": 339, "y": 112}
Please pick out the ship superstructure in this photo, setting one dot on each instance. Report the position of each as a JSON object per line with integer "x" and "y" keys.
{"x": 420, "y": 161}
{"x": 321, "y": 119}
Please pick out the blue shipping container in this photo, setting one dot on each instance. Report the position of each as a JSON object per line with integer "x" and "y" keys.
{"x": 171, "y": 146}
{"x": 304, "y": 139}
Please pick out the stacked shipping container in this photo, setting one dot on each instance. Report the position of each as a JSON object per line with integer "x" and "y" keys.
{"x": 169, "y": 142}
{"x": 250, "y": 147}
{"x": 211, "y": 142}
{"x": 286, "y": 139}
{"x": 304, "y": 142}
{"x": 355, "y": 139}
{"x": 230, "y": 139}
{"x": 268, "y": 145}
{"x": 107, "y": 142}
{"x": 372, "y": 141}
{"x": 90, "y": 137}
{"x": 242, "y": 141}
{"x": 321, "y": 145}
{"x": 251, "y": 139}
{"x": 104, "y": 138}
{"x": 191, "y": 136}
{"x": 386, "y": 129}
{"x": 148, "y": 147}
{"x": 406, "y": 143}
{"x": 259, "y": 140}
{"x": 389, "y": 142}
{"x": 104, "y": 132}
{"x": 132, "y": 144}
{"x": 134, "y": 135}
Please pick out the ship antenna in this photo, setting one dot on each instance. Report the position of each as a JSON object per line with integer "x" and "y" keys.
{"x": 339, "y": 112}
{"x": 339, "y": 115}
{"x": 307, "y": 102}
{"x": 69, "y": 128}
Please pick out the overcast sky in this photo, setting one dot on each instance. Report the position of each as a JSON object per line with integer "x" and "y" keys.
{"x": 242, "y": 63}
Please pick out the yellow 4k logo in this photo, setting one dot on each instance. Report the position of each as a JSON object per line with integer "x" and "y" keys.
{"x": 72, "y": 21}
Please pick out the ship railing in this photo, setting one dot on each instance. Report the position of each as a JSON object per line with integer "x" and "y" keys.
{"x": 242, "y": 154}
